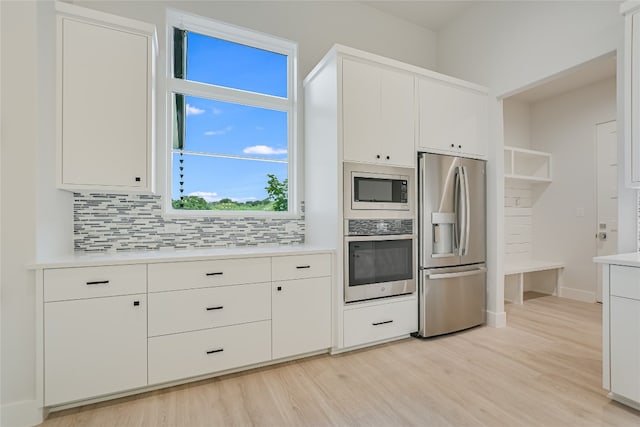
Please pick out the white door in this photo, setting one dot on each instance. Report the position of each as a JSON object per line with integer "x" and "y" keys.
{"x": 606, "y": 195}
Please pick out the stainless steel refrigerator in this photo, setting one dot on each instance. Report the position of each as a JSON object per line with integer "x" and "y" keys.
{"x": 452, "y": 239}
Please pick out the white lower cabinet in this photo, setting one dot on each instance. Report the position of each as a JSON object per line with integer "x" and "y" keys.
{"x": 94, "y": 347}
{"x": 379, "y": 322}
{"x": 301, "y": 316}
{"x": 625, "y": 347}
{"x": 624, "y": 331}
{"x": 109, "y": 329}
{"x": 178, "y": 356}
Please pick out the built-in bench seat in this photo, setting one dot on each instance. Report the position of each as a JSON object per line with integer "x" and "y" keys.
{"x": 514, "y": 294}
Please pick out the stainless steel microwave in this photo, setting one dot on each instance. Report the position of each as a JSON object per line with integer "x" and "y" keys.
{"x": 377, "y": 188}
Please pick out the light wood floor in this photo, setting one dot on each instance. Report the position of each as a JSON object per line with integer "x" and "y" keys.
{"x": 544, "y": 369}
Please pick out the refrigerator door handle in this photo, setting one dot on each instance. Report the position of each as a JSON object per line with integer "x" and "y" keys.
{"x": 467, "y": 213}
{"x": 459, "y": 209}
{"x": 457, "y": 274}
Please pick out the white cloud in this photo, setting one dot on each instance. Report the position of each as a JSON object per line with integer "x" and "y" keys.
{"x": 264, "y": 149}
{"x": 216, "y": 111}
{"x": 207, "y": 195}
{"x": 193, "y": 111}
{"x": 218, "y": 132}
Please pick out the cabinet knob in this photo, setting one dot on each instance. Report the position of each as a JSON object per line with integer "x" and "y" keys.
{"x": 459, "y": 146}
{"x": 388, "y": 157}
{"x": 279, "y": 288}
{"x": 377, "y": 156}
{"x": 136, "y": 303}
{"x": 138, "y": 179}
{"x": 452, "y": 145}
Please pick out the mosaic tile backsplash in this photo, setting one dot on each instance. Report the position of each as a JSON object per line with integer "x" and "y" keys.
{"x": 117, "y": 222}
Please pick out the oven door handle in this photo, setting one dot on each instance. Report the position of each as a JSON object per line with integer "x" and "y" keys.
{"x": 456, "y": 274}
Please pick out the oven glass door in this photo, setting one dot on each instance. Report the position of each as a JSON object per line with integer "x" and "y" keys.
{"x": 379, "y": 261}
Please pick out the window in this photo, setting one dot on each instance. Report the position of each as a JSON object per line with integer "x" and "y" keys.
{"x": 232, "y": 95}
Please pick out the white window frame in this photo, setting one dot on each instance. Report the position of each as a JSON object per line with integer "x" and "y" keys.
{"x": 224, "y": 31}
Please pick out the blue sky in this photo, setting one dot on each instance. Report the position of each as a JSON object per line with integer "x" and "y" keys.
{"x": 232, "y": 129}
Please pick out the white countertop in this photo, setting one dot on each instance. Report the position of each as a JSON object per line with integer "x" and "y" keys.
{"x": 631, "y": 259}
{"x": 146, "y": 257}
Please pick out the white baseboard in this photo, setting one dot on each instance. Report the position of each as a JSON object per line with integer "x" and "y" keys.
{"x": 21, "y": 414}
{"x": 577, "y": 294}
{"x": 496, "y": 320}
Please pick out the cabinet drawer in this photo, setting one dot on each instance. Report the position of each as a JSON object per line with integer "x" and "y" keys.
{"x": 625, "y": 281}
{"x": 301, "y": 266}
{"x": 173, "y": 276}
{"x": 370, "y": 324}
{"x": 189, "y": 310}
{"x": 173, "y": 357}
{"x": 90, "y": 282}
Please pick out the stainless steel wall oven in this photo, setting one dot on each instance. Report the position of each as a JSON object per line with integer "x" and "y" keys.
{"x": 379, "y": 264}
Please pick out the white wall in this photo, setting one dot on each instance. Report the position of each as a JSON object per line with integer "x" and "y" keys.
{"x": 517, "y": 123}
{"x": 510, "y": 46}
{"x": 565, "y": 126}
{"x": 315, "y": 25}
{"x": 19, "y": 134}
{"x": 37, "y": 218}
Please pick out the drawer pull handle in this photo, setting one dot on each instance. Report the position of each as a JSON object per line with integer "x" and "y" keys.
{"x": 382, "y": 323}
{"x": 303, "y": 266}
{"x": 219, "y": 307}
{"x": 220, "y": 350}
{"x": 218, "y": 273}
{"x": 98, "y": 282}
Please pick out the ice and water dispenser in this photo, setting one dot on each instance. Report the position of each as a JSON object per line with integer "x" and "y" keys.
{"x": 444, "y": 234}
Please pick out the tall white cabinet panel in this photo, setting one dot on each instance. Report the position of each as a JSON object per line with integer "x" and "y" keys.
{"x": 301, "y": 317}
{"x": 94, "y": 347}
{"x": 632, "y": 93}
{"x": 378, "y": 114}
{"x": 452, "y": 119}
{"x": 105, "y": 102}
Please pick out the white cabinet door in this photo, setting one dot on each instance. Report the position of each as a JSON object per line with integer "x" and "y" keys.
{"x": 625, "y": 347}
{"x": 104, "y": 102}
{"x": 94, "y": 347}
{"x": 452, "y": 119}
{"x": 632, "y": 99}
{"x": 301, "y": 316}
{"x": 378, "y": 114}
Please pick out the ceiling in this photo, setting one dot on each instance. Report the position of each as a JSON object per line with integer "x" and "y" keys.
{"x": 433, "y": 15}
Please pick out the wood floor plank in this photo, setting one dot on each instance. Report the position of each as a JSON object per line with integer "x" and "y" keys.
{"x": 544, "y": 369}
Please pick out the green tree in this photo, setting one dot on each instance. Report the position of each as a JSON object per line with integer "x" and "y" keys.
{"x": 191, "y": 203}
{"x": 278, "y": 192}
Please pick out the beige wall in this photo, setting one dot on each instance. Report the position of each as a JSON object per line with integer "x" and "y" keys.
{"x": 565, "y": 126}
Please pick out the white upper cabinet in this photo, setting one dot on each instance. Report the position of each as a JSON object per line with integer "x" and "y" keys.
{"x": 631, "y": 94}
{"x": 452, "y": 119}
{"x": 105, "y": 101}
{"x": 377, "y": 114}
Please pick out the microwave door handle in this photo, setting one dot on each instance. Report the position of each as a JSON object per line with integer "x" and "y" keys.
{"x": 467, "y": 214}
